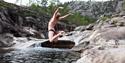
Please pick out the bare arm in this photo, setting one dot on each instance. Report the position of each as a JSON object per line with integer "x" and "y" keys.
{"x": 62, "y": 17}
{"x": 54, "y": 15}
{"x": 56, "y": 11}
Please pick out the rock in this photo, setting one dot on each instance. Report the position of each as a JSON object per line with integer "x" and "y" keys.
{"x": 119, "y": 6}
{"x": 118, "y": 21}
{"x": 96, "y": 9}
{"x": 122, "y": 13}
{"x": 112, "y": 33}
{"x": 80, "y": 28}
{"x": 90, "y": 27}
{"x": 99, "y": 44}
{"x": 62, "y": 44}
{"x": 6, "y": 40}
{"x": 103, "y": 56}
{"x": 33, "y": 33}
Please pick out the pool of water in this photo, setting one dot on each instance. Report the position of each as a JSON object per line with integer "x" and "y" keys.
{"x": 40, "y": 55}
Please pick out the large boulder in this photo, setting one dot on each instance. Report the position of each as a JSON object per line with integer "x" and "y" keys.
{"x": 105, "y": 43}
{"x": 103, "y": 56}
{"x": 6, "y": 40}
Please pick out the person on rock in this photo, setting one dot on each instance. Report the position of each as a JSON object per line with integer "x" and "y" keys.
{"x": 52, "y": 34}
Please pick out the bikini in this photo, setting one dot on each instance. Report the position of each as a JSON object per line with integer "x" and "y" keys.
{"x": 52, "y": 30}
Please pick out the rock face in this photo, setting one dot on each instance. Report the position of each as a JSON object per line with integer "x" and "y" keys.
{"x": 103, "y": 56}
{"x": 96, "y": 9}
{"x": 19, "y": 26}
{"x": 104, "y": 43}
{"x": 6, "y": 40}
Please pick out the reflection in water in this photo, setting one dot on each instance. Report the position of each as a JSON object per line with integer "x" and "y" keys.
{"x": 40, "y": 55}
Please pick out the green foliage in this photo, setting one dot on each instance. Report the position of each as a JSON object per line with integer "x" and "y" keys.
{"x": 42, "y": 6}
{"x": 33, "y": 10}
{"x": 76, "y": 18}
{"x": 36, "y": 8}
{"x": 44, "y": 3}
{"x": 27, "y": 13}
{"x": 80, "y": 20}
{"x": 54, "y": 2}
{"x": 6, "y": 5}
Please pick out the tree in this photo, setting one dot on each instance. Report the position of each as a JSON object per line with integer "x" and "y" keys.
{"x": 54, "y": 2}
{"x": 44, "y": 3}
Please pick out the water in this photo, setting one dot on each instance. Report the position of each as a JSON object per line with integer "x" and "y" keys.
{"x": 40, "y": 51}
{"x": 40, "y": 55}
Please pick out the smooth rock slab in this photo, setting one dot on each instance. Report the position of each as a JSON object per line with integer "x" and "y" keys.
{"x": 114, "y": 55}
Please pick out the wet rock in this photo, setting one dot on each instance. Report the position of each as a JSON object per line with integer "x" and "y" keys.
{"x": 6, "y": 40}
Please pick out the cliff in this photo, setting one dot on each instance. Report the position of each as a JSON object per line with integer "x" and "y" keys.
{"x": 95, "y": 9}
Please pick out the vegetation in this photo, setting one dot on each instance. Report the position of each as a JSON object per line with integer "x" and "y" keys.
{"x": 49, "y": 6}
{"x": 80, "y": 20}
{"x": 6, "y": 5}
{"x": 104, "y": 18}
